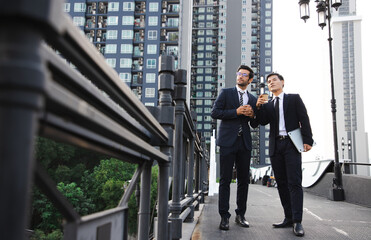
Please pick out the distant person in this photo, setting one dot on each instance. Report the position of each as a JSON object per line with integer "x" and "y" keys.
{"x": 235, "y": 108}
{"x": 285, "y": 113}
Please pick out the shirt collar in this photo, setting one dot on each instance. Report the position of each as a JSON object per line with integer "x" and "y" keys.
{"x": 240, "y": 90}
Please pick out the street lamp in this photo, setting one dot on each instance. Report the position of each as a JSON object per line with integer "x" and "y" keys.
{"x": 323, "y": 6}
{"x": 349, "y": 145}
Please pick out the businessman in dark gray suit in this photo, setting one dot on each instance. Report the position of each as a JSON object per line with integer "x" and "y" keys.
{"x": 285, "y": 113}
{"x": 235, "y": 108}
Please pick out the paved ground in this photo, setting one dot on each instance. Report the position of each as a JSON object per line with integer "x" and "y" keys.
{"x": 323, "y": 219}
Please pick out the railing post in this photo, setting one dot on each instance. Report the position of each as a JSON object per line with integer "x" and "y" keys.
{"x": 191, "y": 161}
{"x": 165, "y": 116}
{"x": 175, "y": 206}
{"x": 201, "y": 169}
{"x": 22, "y": 84}
{"x": 197, "y": 171}
{"x": 144, "y": 212}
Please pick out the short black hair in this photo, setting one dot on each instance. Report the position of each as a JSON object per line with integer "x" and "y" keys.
{"x": 251, "y": 74}
{"x": 277, "y": 74}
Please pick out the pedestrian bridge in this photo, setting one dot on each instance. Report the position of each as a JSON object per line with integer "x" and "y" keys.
{"x": 322, "y": 218}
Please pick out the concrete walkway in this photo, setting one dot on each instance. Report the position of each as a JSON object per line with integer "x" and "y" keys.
{"x": 323, "y": 219}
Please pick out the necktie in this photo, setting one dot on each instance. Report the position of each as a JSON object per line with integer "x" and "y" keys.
{"x": 277, "y": 110}
{"x": 241, "y": 103}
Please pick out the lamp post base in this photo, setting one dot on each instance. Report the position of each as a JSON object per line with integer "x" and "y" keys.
{"x": 336, "y": 194}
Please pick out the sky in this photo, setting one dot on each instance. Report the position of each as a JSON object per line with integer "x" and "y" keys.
{"x": 301, "y": 55}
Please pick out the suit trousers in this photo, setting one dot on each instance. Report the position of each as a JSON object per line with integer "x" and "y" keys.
{"x": 237, "y": 155}
{"x": 286, "y": 164}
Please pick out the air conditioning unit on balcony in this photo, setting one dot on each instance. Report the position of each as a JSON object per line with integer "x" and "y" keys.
{"x": 143, "y": 5}
{"x": 163, "y": 46}
{"x": 94, "y": 5}
{"x": 163, "y": 32}
{"x": 141, "y": 46}
{"x": 141, "y": 33}
{"x": 164, "y": 4}
{"x": 93, "y": 19}
{"x": 92, "y": 33}
{"x": 140, "y": 61}
{"x": 99, "y": 33}
{"x": 100, "y": 19}
{"x": 163, "y": 18}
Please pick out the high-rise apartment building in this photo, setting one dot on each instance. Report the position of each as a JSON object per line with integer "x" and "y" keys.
{"x": 352, "y": 138}
{"x": 133, "y": 34}
{"x": 225, "y": 35}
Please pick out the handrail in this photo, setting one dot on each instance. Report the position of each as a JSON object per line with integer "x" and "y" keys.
{"x": 88, "y": 106}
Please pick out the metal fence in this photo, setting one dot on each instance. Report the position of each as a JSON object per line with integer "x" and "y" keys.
{"x": 79, "y": 99}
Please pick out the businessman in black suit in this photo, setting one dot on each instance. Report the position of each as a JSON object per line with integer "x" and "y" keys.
{"x": 289, "y": 114}
{"x": 235, "y": 108}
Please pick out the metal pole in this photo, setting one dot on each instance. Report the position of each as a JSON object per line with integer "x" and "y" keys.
{"x": 337, "y": 191}
{"x": 144, "y": 212}
{"x": 166, "y": 116}
{"x": 175, "y": 206}
{"x": 22, "y": 83}
{"x": 191, "y": 161}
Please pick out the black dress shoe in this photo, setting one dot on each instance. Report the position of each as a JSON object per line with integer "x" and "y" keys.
{"x": 298, "y": 229}
{"x": 224, "y": 224}
{"x": 286, "y": 223}
{"x": 240, "y": 220}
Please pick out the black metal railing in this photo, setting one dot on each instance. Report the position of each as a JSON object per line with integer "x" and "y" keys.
{"x": 80, "y": 100}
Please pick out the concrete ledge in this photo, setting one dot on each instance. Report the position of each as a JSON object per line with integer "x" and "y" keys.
{"x": 357, "y": 189}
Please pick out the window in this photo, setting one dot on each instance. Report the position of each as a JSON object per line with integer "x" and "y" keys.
{"x": 111, "y": 48}
{"x": 151, "y": 49}
{"x": 209, "y": 17}
{"x": 126, "y": 48}
{"x": 111, "y": 62}
{"x": 79, "y": 7}
{"x": 79, "y": 21}
{"x": 268, "y": 21}
{"x": 201, "y": 17}
{"x": 268, "y": 37}
{"x": 152, "y": 104}
{"x": 151, "y": 63}
{"x": 268, "y": 69}
{"x": 127, "y": 34}
{"x": 268, "y": 13}
{"x": 127, "y": 6}
{"x": 152, "y": 35}
{"x": 113, "y": 6}
{"x": 128, "y": 20}
{"x": 268, "y": 5}
{"x": 150, "y": 77}
{"x": 268, "y": 29}
{"x": 153, "y": 7}
{"x": 111, "y": 34}
{"x": 112, "y": 20}
{"x": 125, "y": 77}
{"x": 173, "y": 22}
{"x": 268, "y": 45}
{"x": 126, "y": 62}
{"x": 67, "y": 7}
{"x": 152, "y": 21}
{"x": 200, "y": 47}
{"x": 150, "y": 92}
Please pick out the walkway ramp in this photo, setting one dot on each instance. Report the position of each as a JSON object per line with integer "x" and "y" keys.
{"x": 322, "y": 219}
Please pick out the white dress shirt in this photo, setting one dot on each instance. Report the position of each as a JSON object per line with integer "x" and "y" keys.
{"x": 245, "y": 96}
{"x": 282, "y": 127}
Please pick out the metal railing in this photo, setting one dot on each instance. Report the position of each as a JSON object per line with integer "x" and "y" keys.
{"x": 42, "y": 94}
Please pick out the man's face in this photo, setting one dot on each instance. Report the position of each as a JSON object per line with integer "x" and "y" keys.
{"x": 275, "y": 84}
{"x": 243, "y": 78}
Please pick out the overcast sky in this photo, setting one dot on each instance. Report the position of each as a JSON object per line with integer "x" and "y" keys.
{"x": 301, "y": 55}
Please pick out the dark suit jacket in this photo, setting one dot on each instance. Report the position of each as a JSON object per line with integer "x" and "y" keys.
{"x": 225, "y": 109}
{"x": 295, "y": 115}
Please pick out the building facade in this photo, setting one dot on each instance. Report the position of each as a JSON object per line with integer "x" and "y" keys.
{"x": 352, "y": 138}
{"x": 133, "y": 34}
{"x": 227, "y": 34}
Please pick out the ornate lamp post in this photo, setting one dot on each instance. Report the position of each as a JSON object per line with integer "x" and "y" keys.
{"x": 324, "y": 13}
